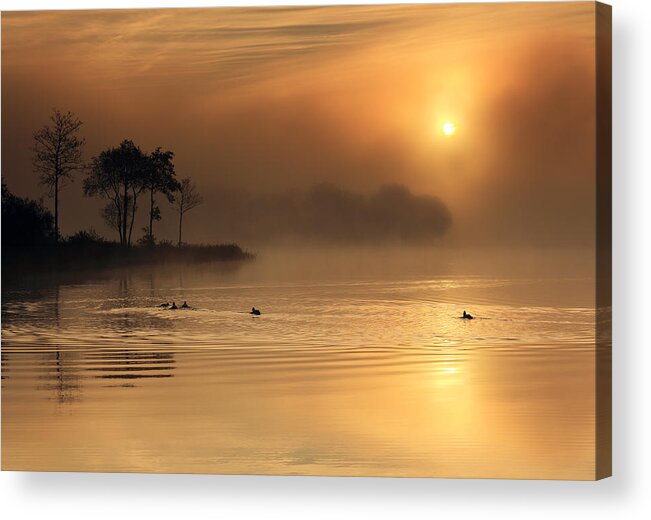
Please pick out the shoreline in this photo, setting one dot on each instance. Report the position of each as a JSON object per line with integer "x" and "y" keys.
{"x": 66, "y": 258}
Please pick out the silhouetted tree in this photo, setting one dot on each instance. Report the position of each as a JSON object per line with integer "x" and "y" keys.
{"x": 161, "y": 178}
{"x": 187, "y": 198}
{"x": 57, "y": 155}
{"x": 25, "y": 222}
{"x": 119, "y": 175}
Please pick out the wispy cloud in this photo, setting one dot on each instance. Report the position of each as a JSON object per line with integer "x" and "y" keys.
{"x": 231, "y": 42}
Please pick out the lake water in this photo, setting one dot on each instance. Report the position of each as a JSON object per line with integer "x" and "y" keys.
{"x": 359, "y": 365}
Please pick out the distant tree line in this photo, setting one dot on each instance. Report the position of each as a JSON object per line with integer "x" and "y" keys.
{"x": 120, "y": 175}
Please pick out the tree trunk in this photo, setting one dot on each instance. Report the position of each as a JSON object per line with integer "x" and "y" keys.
{"x": 180, "y": 226}
{"x": 125, "y": 212}
{"x": 151, "y": 216}
{"x": 133, "y": 218}
{"x": 116, "y": 203}
{"x": 56, "y": 207}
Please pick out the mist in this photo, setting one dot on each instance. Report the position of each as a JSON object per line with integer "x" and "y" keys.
{"x": 327, "y": 213}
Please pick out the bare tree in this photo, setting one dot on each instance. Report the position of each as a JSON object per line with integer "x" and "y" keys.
{"x": 57, "y": 155}
{"x": 187, "y": 198}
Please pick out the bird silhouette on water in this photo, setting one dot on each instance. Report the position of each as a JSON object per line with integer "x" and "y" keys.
{"x": 174, "y": 307}
{"x": 185, "y": 305}
{"x": 255, "y": 312}
{"x": 165, "y": 305}
{"x": 467, "y": 316}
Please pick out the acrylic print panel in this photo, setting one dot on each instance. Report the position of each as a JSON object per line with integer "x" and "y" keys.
{"x": 351, "y": 240}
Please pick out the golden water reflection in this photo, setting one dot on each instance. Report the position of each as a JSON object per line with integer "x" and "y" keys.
{"x": 375, "y": 377}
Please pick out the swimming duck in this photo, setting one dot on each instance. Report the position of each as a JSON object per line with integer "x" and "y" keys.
{"x": 185, "y": 305}
{"x": 255, "y": 312}
{"x": 467, "y": 316}
{"x": 174, "y": 307}
{"x": 165, "y": 305}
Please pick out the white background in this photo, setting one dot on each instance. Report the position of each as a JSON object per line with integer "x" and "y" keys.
{"x": 626, "y": 495}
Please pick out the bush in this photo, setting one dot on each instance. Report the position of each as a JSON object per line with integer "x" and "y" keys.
{"x": 146, "y": 240}
{"x": 85, "y": 238}
{"x": 25, "y": 222}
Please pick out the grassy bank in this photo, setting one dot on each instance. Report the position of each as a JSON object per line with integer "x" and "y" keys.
{"x": 81, "y": 255}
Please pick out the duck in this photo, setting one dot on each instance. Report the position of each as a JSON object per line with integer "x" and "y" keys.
{"x": 467, "y": 316}
{"x": 165, "y": 305}
{"x": 185, "y": 305}
{"x": 255, "y": 312}
{"x": 173, "y": 307}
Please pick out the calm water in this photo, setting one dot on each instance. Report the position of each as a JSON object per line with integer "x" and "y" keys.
{"x": 358, "y": 366}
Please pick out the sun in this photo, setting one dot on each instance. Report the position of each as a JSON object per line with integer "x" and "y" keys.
{"x": 449, "y": 128}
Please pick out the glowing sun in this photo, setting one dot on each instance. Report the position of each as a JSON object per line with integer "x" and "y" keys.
{"x": 449, "y": 128}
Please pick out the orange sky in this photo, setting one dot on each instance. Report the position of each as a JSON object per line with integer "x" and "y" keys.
{"x": 277, "y": 99}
